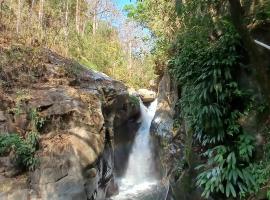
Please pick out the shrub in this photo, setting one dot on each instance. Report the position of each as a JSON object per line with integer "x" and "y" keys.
{"x": 24, "y": 149}
{"x": 134, "y": 100}
{"x": 206, "y": 70}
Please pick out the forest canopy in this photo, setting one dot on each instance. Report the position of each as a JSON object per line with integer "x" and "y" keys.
{"x": 95, "y": 33}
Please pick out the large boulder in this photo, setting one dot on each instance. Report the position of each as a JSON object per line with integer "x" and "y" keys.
{"x": 79, "y": 112}
{"x": 146, "y": 95}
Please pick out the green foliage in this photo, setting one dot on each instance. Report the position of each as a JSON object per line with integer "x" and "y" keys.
{"x": 101, "y": 52}
{"x": 230, "y": 173}
{"x": 23, "y": 149}
{"x": 261, "y": 171}
{"x": 36, "y": 119}
{"x": 70, "y": 33}
{"x": 206, "y": 70}
{"x": 206, "y": 60}
{"x": 259, "y": 11}
{"x": 134, "y": 100}
{"x": 138, "y": 76}
{"x": 161, "y": 19}
{"x": 159, "y": 16}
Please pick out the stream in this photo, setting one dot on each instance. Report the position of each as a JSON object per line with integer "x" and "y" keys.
{"x": 140, "y": 181}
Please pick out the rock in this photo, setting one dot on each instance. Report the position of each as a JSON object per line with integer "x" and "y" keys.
{"x": 147, "y": 96}
{"x": 162, "y": 124}
{"x": 182, "y": 186}
{"x": 3, "y": 119}
{"x": 113, "y": 189}
{"x": 162, "y": 128}
{"x": 133, "y": 92}
{"x": 153, "y": 84}
{"x": 2, "y": 116}
{"x": 91, "y": 173}
{"x": 82, "y": 112}
{"x": 19, "y": 194}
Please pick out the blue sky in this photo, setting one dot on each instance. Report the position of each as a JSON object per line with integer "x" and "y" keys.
{"x": 146, "y": 45}
{"x": 121, "y": 3}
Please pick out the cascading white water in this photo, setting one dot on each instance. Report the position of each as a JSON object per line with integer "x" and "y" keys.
{"x": 139, "y": 175}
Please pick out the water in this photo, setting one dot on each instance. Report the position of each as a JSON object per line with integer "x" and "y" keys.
{"x": 139, "y": 182}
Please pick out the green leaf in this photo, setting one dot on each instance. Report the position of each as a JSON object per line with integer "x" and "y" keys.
{"x": 221, "y": 188}
{"x": 227, "y": 190}
{"x": 232, "y": 190}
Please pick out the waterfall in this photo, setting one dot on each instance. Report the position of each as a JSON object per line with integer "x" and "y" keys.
{"x": 139, "y": 175}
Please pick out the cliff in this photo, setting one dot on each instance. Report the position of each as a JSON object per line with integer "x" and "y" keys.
{"x": 75, "y": 115}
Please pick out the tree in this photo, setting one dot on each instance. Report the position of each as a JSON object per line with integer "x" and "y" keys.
{"x": 77, "y": 16}
{"x": 66, "y": 17}
{"x": 18, "y": 24}
{"x": 260, "y": 68}
{"x": 31, "y": 11}
{"x": 41, "y": 13}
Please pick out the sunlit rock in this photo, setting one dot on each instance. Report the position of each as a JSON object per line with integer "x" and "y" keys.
{"x": 80, "y": 112}
{"x": 146, "y": 95}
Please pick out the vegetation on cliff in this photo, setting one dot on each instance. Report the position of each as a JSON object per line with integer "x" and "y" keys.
{"x": 94, "y": 33}
{"x": 224, "y": 81}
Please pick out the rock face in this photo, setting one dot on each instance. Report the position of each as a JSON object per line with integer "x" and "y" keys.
{"x": 79, "y": 112}
{"x": 162, "y": 123}
{"x": 162, "y": 128}
{"x": 171, "y": 144}
{"x": 147, "y": 96}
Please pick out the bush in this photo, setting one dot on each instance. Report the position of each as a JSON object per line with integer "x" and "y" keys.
{"x": 24, "y": 149}
{"x": 207, "y": 72}
{"x": 134, "y": 100}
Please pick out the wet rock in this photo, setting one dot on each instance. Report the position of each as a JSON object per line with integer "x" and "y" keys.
{"x": 113, "y": 189}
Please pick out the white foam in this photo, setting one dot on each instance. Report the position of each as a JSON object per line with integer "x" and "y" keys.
{"x": 129, "y": 190}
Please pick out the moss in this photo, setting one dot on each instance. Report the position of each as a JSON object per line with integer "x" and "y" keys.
{"x": 188, "y": 148}
{"x": 134, "y": 100}
{"x": 74, "y": 69}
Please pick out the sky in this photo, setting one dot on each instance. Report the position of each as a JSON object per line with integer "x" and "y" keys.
{"x": 147, "y": 46}
{"x": 145, "y": 32}
{"x": 121, "y": 3}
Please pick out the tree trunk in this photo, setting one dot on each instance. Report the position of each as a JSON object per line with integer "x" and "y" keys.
{"x": 41, "y": 13}
{"x": 77, "y": 17}
{"x": 255, "y": 56}
{"x": 95, "y": 15}
{"x": 18, "y": 24}
{"x": 129, "y": 55}
{"x": 94, "y": 21}
{"x": 1, "y": 11}
{"x": 66, "y": 19}
{"x": 31, "y": 12}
